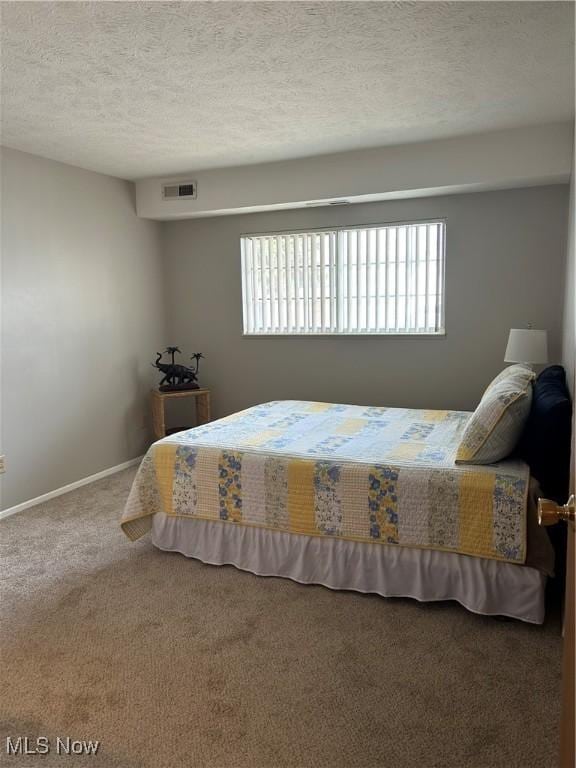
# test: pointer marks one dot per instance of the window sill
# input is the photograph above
(355, 335)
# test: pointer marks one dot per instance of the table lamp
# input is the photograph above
(527, 345)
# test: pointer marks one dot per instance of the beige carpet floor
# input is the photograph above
(170, 663)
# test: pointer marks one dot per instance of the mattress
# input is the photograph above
(383, 476)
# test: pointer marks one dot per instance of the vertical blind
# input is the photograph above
(378, 279)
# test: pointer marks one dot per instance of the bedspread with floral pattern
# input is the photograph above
(379, 475)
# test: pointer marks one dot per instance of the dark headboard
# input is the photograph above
(545, 443)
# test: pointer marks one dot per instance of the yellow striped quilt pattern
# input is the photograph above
(379, 475)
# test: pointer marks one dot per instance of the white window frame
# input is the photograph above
(339, 238)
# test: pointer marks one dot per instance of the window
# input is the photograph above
(385, 279)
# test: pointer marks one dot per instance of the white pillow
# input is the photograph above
(497, 423)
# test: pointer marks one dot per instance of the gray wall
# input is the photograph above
(82, 314)
(505, 267)
(83, 288)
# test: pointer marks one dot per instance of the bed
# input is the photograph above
(351, 497)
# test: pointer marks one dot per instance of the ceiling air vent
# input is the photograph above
(179, 190)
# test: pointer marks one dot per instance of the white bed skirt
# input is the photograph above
(482, 586)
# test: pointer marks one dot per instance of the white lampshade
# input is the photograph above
(526, 345)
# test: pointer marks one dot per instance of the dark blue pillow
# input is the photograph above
(545, 443)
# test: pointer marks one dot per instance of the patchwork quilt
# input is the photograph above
(379, 475)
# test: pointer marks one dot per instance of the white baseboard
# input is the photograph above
(70, 487)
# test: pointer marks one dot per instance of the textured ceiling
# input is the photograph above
(136, 89)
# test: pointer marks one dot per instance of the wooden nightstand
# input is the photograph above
(202, 397)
